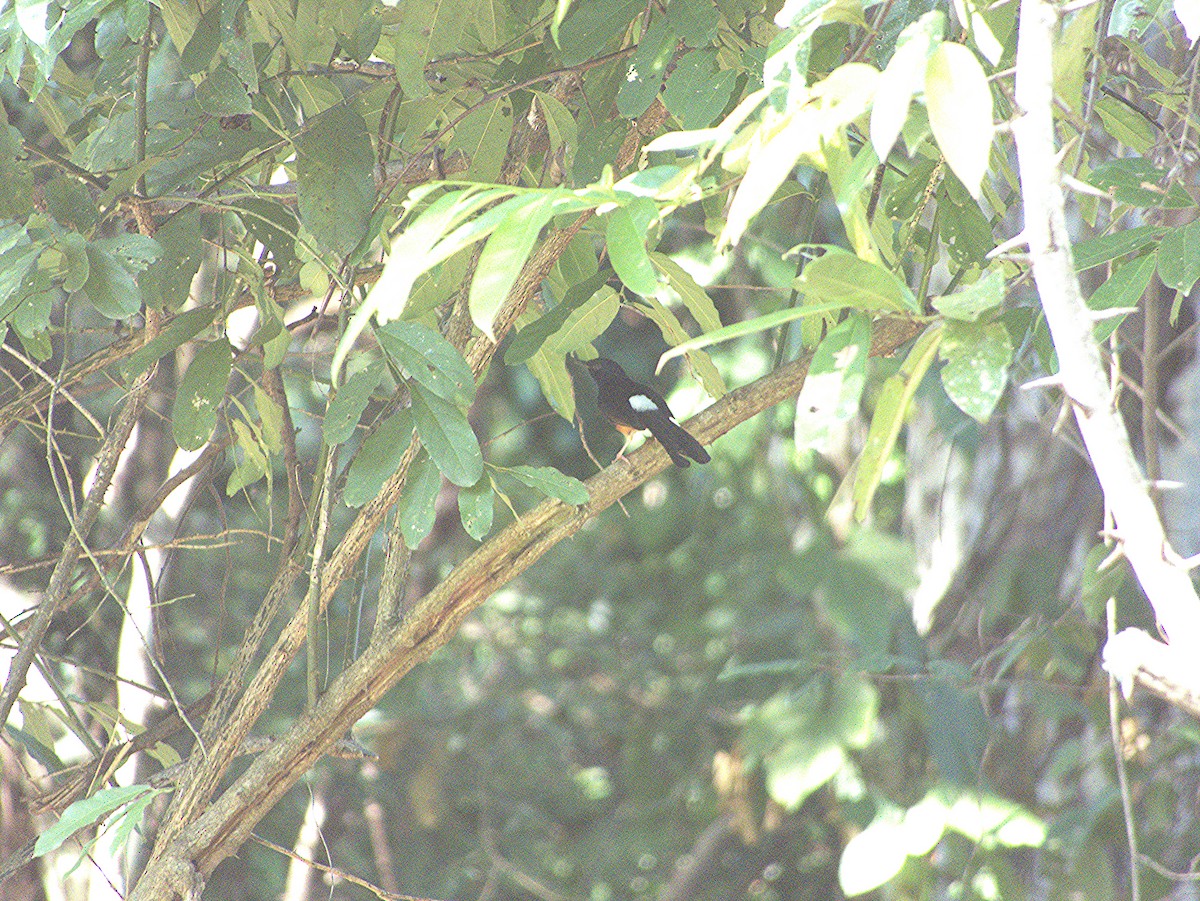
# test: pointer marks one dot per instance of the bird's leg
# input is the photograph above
(624, 447)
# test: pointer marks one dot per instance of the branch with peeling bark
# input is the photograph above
(1144, 543)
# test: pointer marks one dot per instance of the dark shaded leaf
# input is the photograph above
(201, 391)
(447, 436)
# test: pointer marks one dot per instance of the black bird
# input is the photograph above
(632, 407)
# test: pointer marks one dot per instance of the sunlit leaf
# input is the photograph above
(627, 252)
(503, 257)
(960, 111)
(902, 79)
(838, 275)
(834, 384)
(85, 812)
(977, 357)
(891, 409)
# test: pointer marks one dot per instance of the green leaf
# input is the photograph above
(891, 409)
(182, 328)
(957, 730)
(70, 204)
(856, 283)
(585, 323)
(695, 21)
(694, 297)
(1179, 257)
(504, 256)
(426, 356)
(270, 415)
(448, 437)
(201, 390)
(131, 818)
(875, 855)
(223, 94)
(166, 284)
(483, 136)
(902, 79)
(418, 502)
(1123, 291)
(552, 483)
(276, 227)
(378, 458)
(781, 142)
(535, 332)
(476, 505)
(751, 327)
(346, 407)
(697, 91)
(110, 286)
(674, 334)
(971, 302)
(834, 384)
(135, 252)
(561, 7)
(627, 253)
(803, 737)
(72, 263)
(441, 230)
(977, 358)
(1072, 57)
(31, 318)
(85, 812)
(962, 225)
(560, 126)
(1128, 126)
(335, 178)
(589, 27)
(959, 100)
(421, 31)
(254, 460)
(15, 264)
(16, 179)
(195, 56)
(1106, 248)
(1136, 181)
(555, 382)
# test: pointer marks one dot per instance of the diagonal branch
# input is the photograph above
(228, 821)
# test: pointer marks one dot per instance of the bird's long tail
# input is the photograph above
(678, 442)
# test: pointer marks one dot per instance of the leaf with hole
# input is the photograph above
(201, 390)
(552, 483)
(425, 356)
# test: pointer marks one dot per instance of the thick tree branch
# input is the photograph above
(226, 824)
(233, 713)
(1143, 540)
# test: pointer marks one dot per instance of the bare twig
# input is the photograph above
(64, 570)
